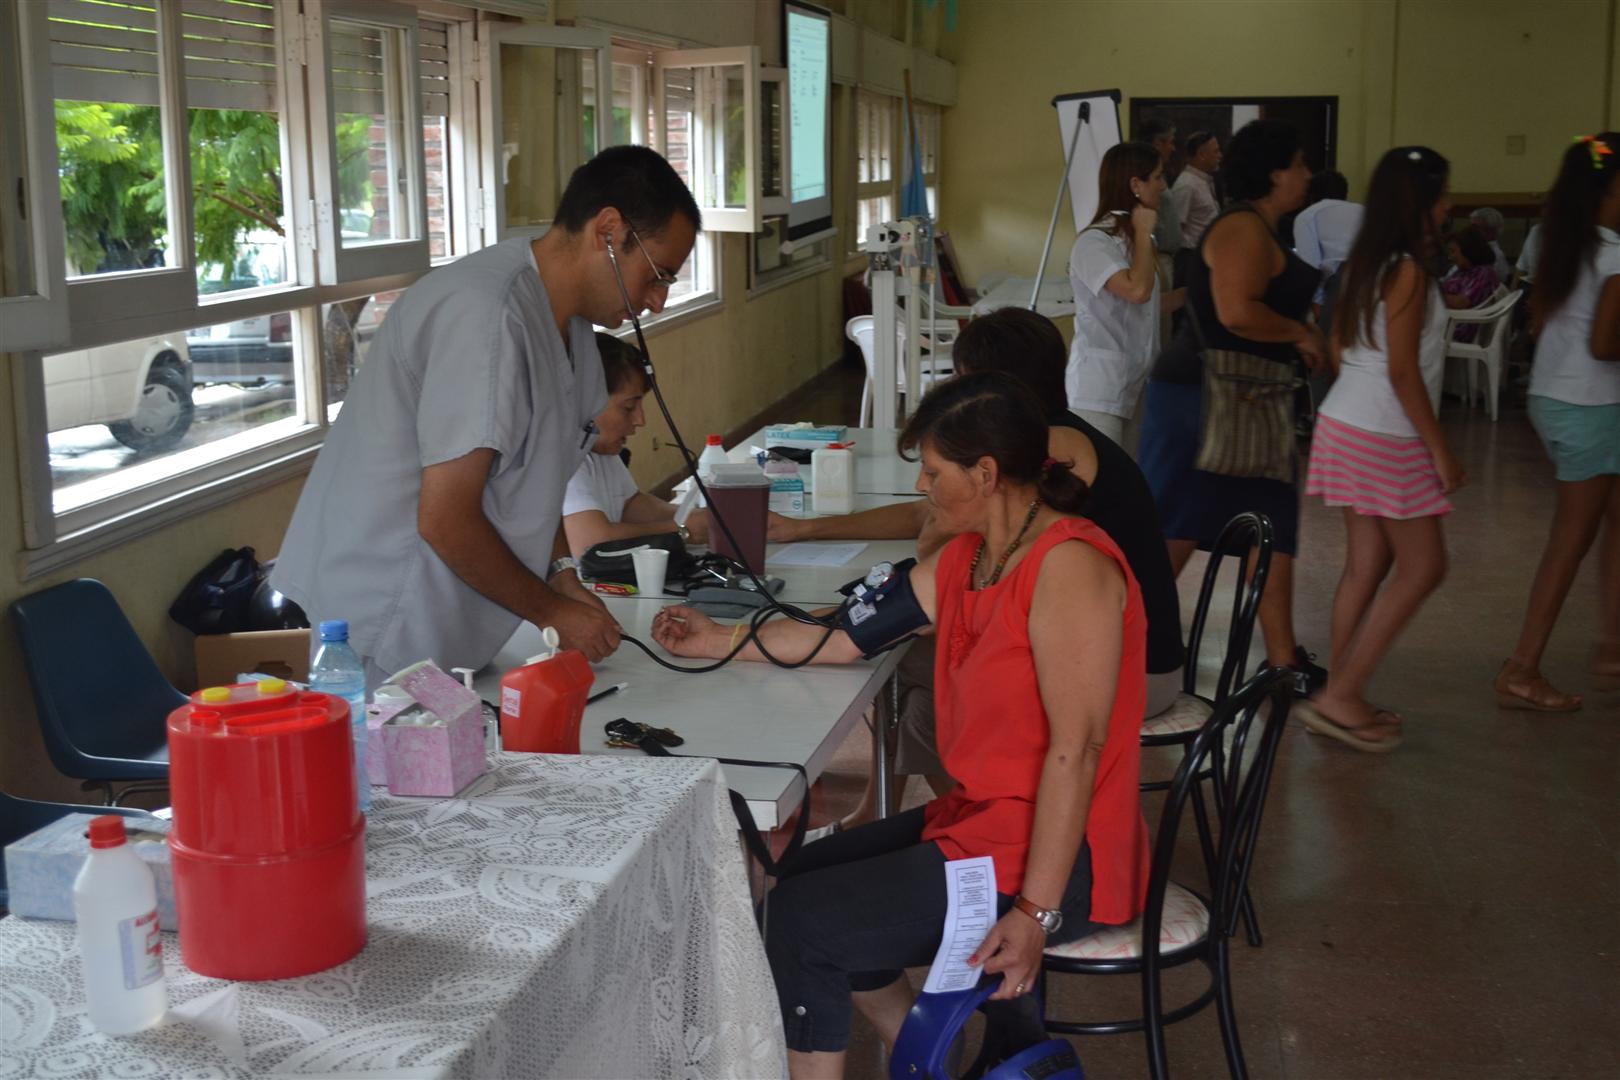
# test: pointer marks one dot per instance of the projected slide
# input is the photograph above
(807, 41)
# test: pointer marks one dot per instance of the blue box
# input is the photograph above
(41, 867)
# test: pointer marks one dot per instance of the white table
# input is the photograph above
(582, 916)
(1056, 300)
(743, 710)
(879, 469)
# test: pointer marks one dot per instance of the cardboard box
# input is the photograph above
(41, 867)
(282, 653)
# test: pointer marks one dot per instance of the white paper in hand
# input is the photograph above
(970, 912)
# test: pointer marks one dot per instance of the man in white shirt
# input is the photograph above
(1194, 191)
(1325, 231)
(431, 520)
(1528, 254)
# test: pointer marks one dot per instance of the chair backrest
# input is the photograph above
(97, 690)
(1499, 309)
(1223, 746)
(1245, 536)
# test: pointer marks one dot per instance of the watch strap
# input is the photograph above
(567, 562)
(1048, 920)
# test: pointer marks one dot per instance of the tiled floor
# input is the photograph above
(1449, 910)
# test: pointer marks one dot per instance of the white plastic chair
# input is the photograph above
(935, 366)
(1489, 347)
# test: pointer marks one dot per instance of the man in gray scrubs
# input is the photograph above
(432, 518)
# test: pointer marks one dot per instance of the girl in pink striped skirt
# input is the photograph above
(1377, 450)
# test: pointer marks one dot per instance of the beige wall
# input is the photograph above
(1458, 76)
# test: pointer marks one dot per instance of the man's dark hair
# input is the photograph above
(1195, 142)
(634, 180)
(1260, 148)
(1021, 343)
(622, 363)
(1153, 126)
(1327, 184)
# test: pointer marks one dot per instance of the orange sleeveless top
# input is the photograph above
(993, 735)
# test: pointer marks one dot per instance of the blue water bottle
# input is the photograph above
(337, 670)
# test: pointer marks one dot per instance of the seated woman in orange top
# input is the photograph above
(1039, 698)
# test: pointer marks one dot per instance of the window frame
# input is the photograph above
(889, 188)
(339, 264)
(37, 315)
(492, 193)
(716, 217)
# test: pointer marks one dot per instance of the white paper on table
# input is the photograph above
(816, 554)
(970, 912)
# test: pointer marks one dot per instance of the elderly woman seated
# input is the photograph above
(1039, 693)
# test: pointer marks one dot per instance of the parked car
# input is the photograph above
(253, 350)
(140, 389)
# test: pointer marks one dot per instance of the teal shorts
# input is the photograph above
(1582, 440)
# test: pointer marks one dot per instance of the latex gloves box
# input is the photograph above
(804, 435)
(436, 746)
(41, 867)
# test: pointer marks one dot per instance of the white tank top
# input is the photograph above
(1362, 395)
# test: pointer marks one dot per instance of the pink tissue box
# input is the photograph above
(432, 759)
(378, 714)
(438, 693)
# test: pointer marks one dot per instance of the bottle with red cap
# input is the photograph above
(713, 454)
(115, 902)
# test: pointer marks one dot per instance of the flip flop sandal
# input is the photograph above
(1536, 695)
(1317, 723)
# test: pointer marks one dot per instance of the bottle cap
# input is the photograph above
(335, 630)
(107, 831)
(216, 694)
(714, 440)
(271, 686)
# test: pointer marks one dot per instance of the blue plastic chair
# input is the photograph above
(19, 817)
(922, 1050)
(102, 701)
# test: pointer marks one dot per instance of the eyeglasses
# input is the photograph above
(662, 278)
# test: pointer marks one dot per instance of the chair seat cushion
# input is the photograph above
(1188, 713)
(1185, 924)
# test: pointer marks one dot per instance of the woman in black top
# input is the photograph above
(1249, 293)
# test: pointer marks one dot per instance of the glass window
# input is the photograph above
(373, 147)
(348, 328)
(541, 147)
(707, 129)
(875, 183)
(769, 263)
(127, 415)
(433, 66)
(771, 185)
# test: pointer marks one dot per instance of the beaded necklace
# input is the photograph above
(1001, 563)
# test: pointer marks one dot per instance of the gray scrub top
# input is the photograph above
(468, 358)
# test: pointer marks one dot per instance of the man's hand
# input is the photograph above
(581, 620)
(1013, 948)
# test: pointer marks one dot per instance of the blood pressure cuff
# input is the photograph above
(884, 613)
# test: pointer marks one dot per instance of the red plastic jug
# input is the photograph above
(542, 701)
(267, 846)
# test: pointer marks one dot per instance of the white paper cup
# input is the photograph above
(651, 565)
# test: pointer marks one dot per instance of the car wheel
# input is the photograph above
(163, 416)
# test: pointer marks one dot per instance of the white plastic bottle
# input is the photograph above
(832, 476)
(115, 901)
(713, 453)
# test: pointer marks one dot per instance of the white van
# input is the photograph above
(140, 389)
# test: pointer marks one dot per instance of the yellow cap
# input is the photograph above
(216, 694)
(271, 686)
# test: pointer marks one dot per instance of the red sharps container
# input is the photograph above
(542, 701)
(267, 844)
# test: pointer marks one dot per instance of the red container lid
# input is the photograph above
(247, 696)
(262, 777)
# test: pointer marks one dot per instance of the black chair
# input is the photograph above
(1246, 535)
(102, 701)
(1179, 925)
(19, 817)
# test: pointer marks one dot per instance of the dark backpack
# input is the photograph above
(217, 599)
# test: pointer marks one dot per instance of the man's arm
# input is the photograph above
(450, 517)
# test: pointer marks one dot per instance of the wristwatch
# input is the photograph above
(684, 533)
(1049, 920)
(567, 562)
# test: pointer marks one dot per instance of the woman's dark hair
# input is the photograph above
(1122, 163)
(989, 414)
(1018, 342)
(1260, 148)
(1405, 185)
(634, 180)
(1470, 240)
(1569, 235)
(622, 362)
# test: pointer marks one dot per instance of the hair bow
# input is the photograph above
(1597, 148)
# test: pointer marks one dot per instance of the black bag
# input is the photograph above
(217, 599)
(611, 560)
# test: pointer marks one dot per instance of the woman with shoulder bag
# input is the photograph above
(1218, 432)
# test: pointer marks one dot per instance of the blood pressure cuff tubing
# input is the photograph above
(881, 617)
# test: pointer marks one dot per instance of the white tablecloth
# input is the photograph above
(568, 916)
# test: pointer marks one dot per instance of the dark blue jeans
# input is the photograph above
(855, 909)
